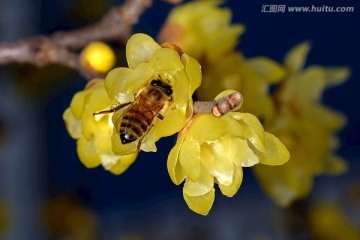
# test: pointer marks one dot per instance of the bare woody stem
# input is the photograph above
(220, 106)
(116, 25)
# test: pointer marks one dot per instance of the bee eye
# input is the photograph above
(168, 91)
(155, 83)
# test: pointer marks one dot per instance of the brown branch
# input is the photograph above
(116, 25)
(219, 107)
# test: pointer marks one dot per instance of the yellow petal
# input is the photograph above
(230, 190)
(269, 69)
(77, 104)
(166, 60)
(296, 57)
(73, 125)
(202, 186)
(172, 123)
(139, 49)
(337, 75)
(336, 165)
(87, 153)
(200, 204)
(181, 88)
(276, 152)
(193, 69)
(326, 117)
(199, 130)
(124, 80)
(173, 166)
(284, 183)
(245, 156)
(123, 163)
(253, 130)
(217, 162)
(115, 80)
(189, 157)
(311, 84)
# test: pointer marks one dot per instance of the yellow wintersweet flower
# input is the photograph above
(67, 219)
(252, 77)
(93, 134)
(328, 221)
(306, 127)
(202, 29)
(213, 150)
(148, 61)
(98, 57)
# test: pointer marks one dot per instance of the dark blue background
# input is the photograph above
(146, 184)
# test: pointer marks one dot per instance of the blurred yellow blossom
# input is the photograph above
(67, 219)
(203, 157)
(202, 29)
(328, 221)
(4, 217)
(252, 77)
(98, 57)
(147, 61)
(305, 126)
(94, 134)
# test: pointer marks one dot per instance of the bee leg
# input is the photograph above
(140, 140)
(161, 117)
(112, 109)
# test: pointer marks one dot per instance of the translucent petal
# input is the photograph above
(181, 87)
(219, 164)
(77, 104)
(200, 204)
(276, 152)
(199, 130)
(139, 49)
(114, 81)
(102, 136)
(253, 130)
(296, 57)
(172, 123)
(73, 125)
(174, 168)
(124, 80)
(193, 69)
(87, 153)
(123, 163)
(230, 190)
(166, 60)
(202, 186)
(269, 69)
(244, 156)
(189, 157)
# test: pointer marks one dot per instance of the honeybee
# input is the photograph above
(138, 118)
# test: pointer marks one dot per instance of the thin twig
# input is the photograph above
(220, 106)
(116, 25)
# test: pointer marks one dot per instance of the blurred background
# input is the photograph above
(46, 193)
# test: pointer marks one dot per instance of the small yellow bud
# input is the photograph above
(98, 57)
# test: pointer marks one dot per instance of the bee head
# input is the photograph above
(164, 87)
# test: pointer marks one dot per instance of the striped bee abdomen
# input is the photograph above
(135, 123)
